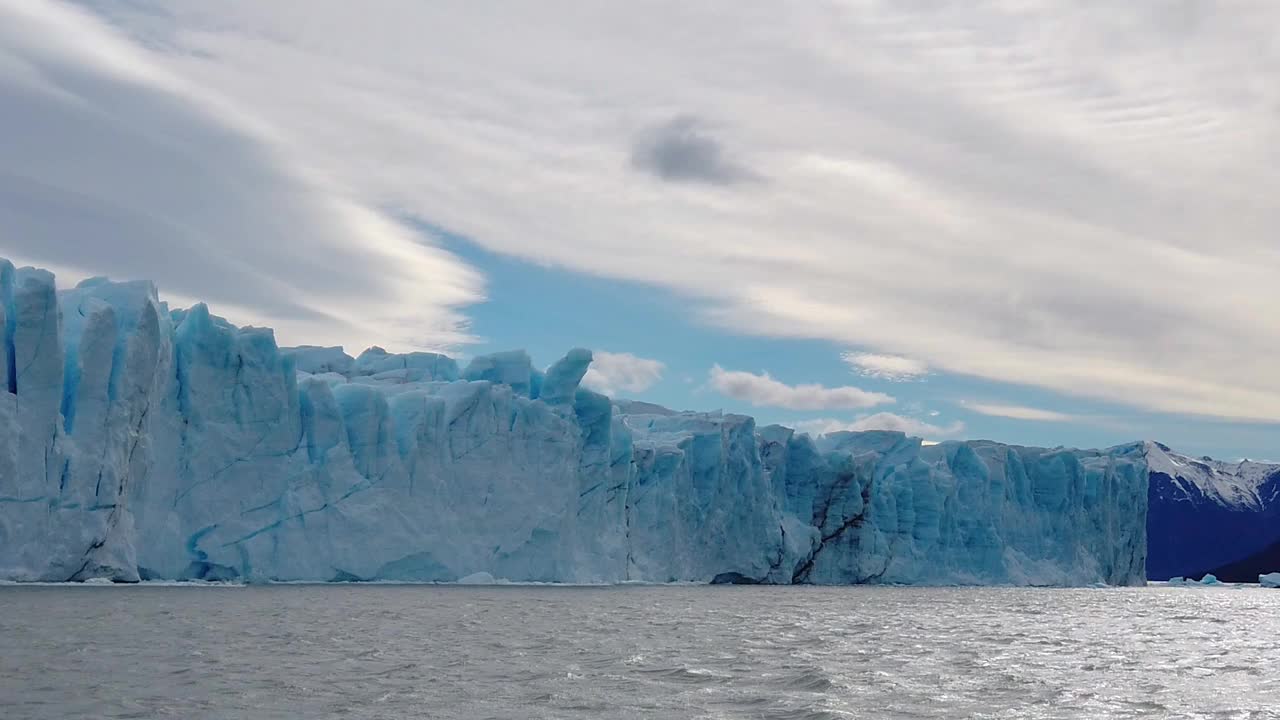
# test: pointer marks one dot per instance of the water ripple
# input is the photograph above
(638, 652)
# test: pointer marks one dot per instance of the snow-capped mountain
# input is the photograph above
(1243, 484)
(1210, 515)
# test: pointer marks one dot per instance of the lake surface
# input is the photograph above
(341, 651)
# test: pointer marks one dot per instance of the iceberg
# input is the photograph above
(1269, 580)
(139, 442)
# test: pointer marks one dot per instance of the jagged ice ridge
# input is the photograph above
(139, 442)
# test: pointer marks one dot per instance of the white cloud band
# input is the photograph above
(764, 391)
(1020, 412)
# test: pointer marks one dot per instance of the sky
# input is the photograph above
(1048, 222)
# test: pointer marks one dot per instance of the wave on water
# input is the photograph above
(690, 675)
(667, 654)
(812, 679)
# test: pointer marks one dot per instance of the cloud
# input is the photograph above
(763, 391)
(885, 367)
(881, 421)
(612, 372)
(1019, 412)
(1072, 196)
(683, 150)
(115, 165)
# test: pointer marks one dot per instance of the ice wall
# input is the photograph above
(139, 442)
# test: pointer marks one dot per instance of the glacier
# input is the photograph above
(139, 442)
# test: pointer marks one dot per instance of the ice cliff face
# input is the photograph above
(889, 510)
(139, 442)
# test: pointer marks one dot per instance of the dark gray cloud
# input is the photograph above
(683, 150)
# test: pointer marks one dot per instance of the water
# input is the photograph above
(632, 652)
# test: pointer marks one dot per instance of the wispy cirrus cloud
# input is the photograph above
(1020, 412)
(764, 391)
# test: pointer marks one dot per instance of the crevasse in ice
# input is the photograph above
(142, 442)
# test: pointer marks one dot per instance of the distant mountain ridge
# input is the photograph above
(1209, 515)
(1232, 484)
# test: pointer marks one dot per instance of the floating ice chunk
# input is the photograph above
(1269, 580)
(1210, 579)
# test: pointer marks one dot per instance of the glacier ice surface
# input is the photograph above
(139, 442)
